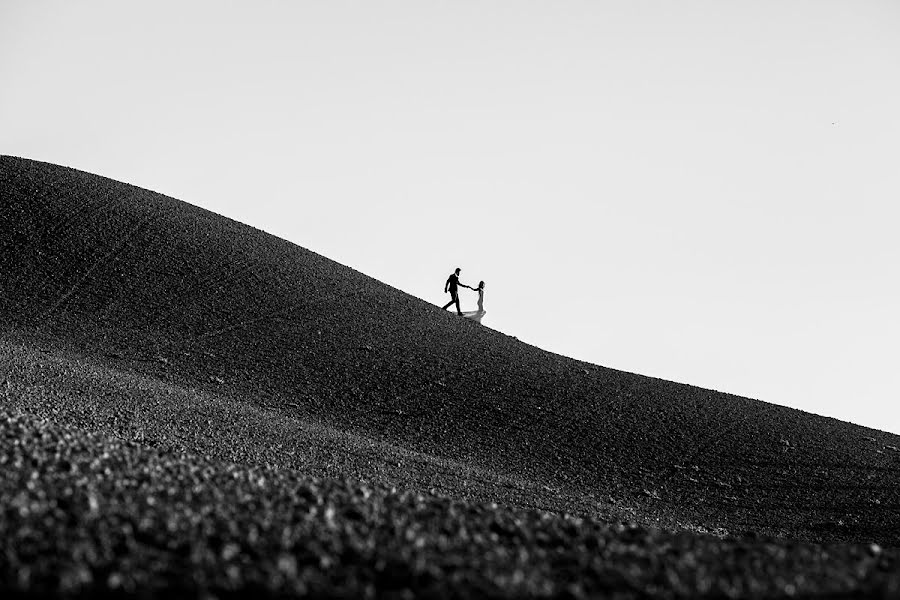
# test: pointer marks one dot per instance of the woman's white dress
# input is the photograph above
(476, 315)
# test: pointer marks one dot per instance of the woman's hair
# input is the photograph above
(480, 284)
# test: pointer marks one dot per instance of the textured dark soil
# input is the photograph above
(191, 405)
(88, 514)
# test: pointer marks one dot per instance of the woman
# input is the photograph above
(476, 315)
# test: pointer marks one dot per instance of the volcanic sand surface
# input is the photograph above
(135, 315)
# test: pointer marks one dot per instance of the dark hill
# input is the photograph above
(134, 314)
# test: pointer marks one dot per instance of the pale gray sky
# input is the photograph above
(702, 191)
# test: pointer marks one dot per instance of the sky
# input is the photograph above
(701, 191)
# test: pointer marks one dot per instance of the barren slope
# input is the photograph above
(113, 295)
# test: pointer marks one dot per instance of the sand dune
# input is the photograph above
(129, 314)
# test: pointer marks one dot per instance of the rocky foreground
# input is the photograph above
(87, 515)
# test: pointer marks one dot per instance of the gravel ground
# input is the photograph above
(88, 515)
(191, 356)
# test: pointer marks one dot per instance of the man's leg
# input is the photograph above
(458, 309)
(446, 306)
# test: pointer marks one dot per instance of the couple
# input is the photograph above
(453, 284)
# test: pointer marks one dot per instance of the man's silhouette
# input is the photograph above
(452, 286)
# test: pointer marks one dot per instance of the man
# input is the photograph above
(452, 286)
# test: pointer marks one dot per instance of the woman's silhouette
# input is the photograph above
(476, 315)
(480, 291)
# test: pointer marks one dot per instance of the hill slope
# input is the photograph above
(114, 294)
